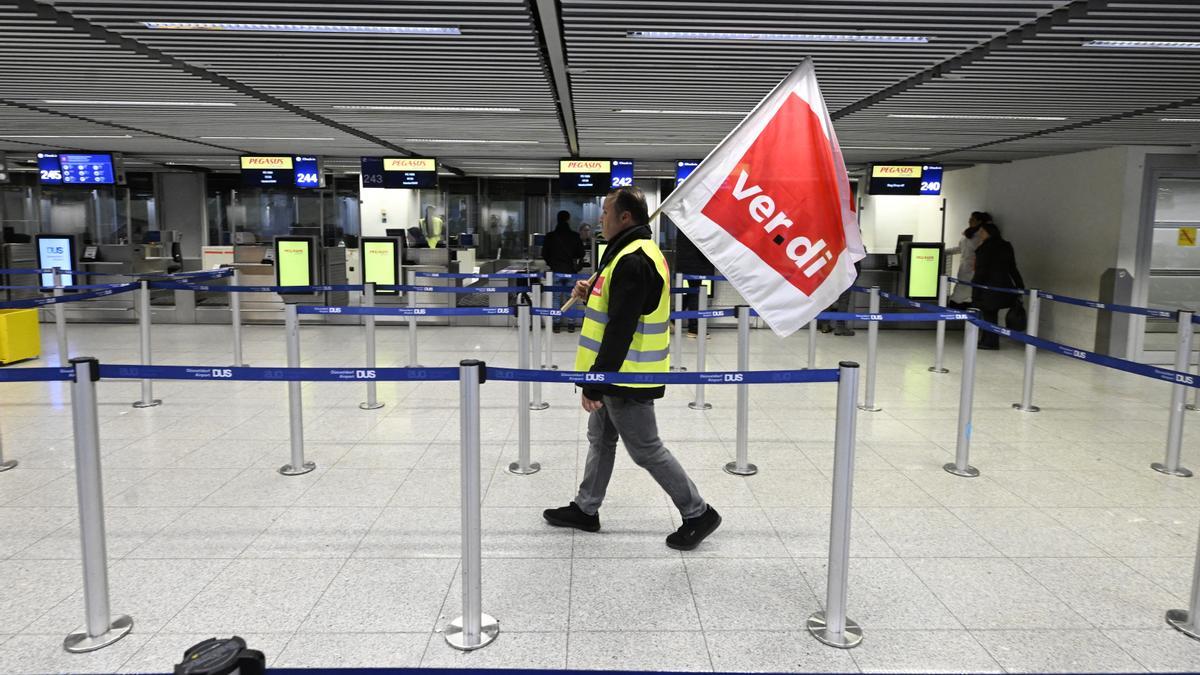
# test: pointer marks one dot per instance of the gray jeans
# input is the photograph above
(633, 421)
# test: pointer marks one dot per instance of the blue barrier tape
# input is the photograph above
(557, 289)
(685, 290)
(38, 375)
(998, 289)
(546, 311)
(219, 373)
(1153, 372)
(205, 274)
(468, 275)
(42, 302)
(901, 300)
(895, 318)
(731, 377)
(406, 311)
(860, 289)
(1110, 307)
(703, 277)
(704, 314)
(76, 287)
(454, 289)
(299, 290)
(560, 276)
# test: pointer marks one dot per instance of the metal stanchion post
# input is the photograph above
(1195, 404)
(5, 465)
(812, 344)
(548, 325)
(677, 333)
(536, 321)
(295, 400)
(872, 355)
(1026, 404)
(235, 318)
(60, 321)
(412, 323)
(1187, 621)
(368, 300)
(523, 467)
(1183, 360)
(473, 629)
(742, 466)
(961, 466)
(701, 353)
(101, 628)
(939, 351)
(147, 400)
(832, 627)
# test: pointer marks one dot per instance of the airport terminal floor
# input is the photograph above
(1062, 556)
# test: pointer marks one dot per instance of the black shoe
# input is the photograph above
(570, 328)
(558, 329)
(572, 516)
(990, 348)
(694, 530)
(826, 329)
(844, 332)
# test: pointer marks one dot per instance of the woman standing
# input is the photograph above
(995, 265)
(966, 261)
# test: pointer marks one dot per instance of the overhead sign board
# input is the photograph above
(399, 172)
(55, 168)
(299, 171)
(905, 179)
(588, 175)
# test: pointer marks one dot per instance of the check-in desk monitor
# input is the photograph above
(920, 269)
(56, 250)
(295, 261)
(380, 260)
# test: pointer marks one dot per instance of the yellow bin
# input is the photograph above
(20, 338)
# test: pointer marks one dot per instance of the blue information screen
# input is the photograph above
(622, 173)
(372, 172)
(308, 171)
(683, 169)
(87, 169)
(49, 168)
(931, 179)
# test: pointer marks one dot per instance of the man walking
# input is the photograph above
(625, 329)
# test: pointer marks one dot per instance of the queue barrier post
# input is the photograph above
(868, 403)
(412, 323)
(701, 354)
(1183, 359)
(961, 466)
(368, 300)
(742, 466)
(473, 629)
(535, 295)
(60, 320)
(548, 321)
(235, 318)
(812, 345)
(101, 627)
(147, 400)
(5, 465)
(832, 627)
(1031, 329)
(939, 352)
(1187, 621)
(1195, 404)
(298, 466)
(677, 329)
(523, 467)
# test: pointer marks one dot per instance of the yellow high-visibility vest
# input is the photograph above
(650, 350)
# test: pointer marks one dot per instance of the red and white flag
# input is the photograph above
(771, 207)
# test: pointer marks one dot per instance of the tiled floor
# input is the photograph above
(1062, 556)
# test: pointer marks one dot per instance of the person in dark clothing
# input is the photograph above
(995, 265)
(562, 251)
(689, 260)
(625, 330)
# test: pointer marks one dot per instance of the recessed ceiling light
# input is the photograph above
(1180, 119)
(701, 145)
(263, 138)
(301, 28)
(426, 108)
(466, 140)
(1142, 44)
(879, 147)
(1039, 118)
(652, 111)
(776, 37)
(64, 101)
(75, 136)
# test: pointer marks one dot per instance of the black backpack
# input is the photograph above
(220, 656)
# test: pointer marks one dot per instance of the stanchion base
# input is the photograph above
(489, 629)
(969, 472)
(151, 404)
(516, 470)
(5, 466)
(370, 406)
(78, 643)
(539, 406)
(1190, 406)
(289, 470)
(849, 638)
(702, 406)
(940, 371)
(1177, 471)
(678, 369)
(748, 470)
(1178, 618)
(873, 408)
(1023, 408)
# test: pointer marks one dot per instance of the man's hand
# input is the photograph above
(590, 405)
(581, 290)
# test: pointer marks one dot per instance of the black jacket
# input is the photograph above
(995, 265)
(563, 249)
(634, 290)
(688, 258)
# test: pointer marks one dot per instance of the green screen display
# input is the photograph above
(924, 266)
(293, 262)
(379, 264)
